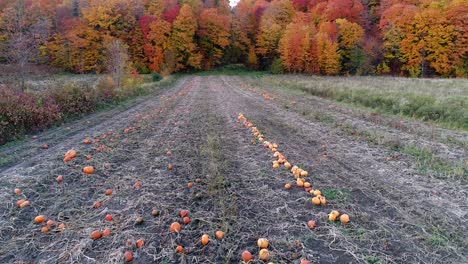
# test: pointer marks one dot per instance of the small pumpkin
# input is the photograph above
(97, 204)
(246, 256)
(44, 229)
(128, 257)
(186, 220)
(311, 224)
(108, 217)
(139, 220)
(219, 234)
(50, 223)
(88, 170)
(179, 249)
(140, 243)
(287, 165)
(19, 202)
(106, 232)
(183, 213)
(18, 191)
(96, 234)
(315, 200)
(264, 254)
(155, 212)
(39, 219)
(262, 243)
(109, 192)
(205, 239)
(287, 186)
(25, 204)
(59, 178)
(304, 173)
(175, 227)
(304, 261)
(344, 218)
(190, 184)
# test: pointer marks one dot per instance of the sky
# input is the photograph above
(233, 3)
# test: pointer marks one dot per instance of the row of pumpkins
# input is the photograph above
(300, 178)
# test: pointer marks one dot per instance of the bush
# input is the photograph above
(156, 77)
(277, 67)
(21, 112)
(75, 100)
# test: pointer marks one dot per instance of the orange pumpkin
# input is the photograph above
(246, 256)
(140, 243)
(205, 239)
(59, 178)
(50, 223)
(44, 229)
(264, 254)
(315, 201)
(19, 202)
(18, 191)
(175, 227)
(96, 235)
(287, 186)
(128, 257)
(97, 204)
(24, 204)
(311, 224)
(39, 219)
(106, 232)
(155, 212)
(344, 218)
(88, 170)
(109, 192)
(219, 234)
(186, 220)
(179, 249)
(262, 243)
(139, 220)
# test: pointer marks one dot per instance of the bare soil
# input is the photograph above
(399, 213)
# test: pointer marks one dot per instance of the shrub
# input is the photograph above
(74, 99)
(105, 90)
(277, 67)
(156, 77)
(22, 112)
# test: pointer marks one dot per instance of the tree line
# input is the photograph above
(415, 38)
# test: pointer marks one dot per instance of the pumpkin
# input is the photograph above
(323, 201)
(190, 184)
(344, 218)
(96, 235)
(59, 178)
(311, 224)
(175, 227)
(262, 243)
(264, 254)
(109, 192)
(88, 157)
(219, 234)
(87, 140)
(275, 145)
(18, 191)
(179, 249)
(331, 217)
(304, 261)
(246, 256)
(307, 184)
(317, 193)
(71, 153)
(138, 220)
(287, 165)
(276, 154)
(24, 204)
(19, 202)
(287, 186)
(108, 217)
(300, 182)
(183, 213)
(45, 146)
(97, 204)
(205, 239)
(50, 223)
(106, 232)
(128, 257)
(140, 243)
(88, 170)
(155, 212)
(335, 213)
(186, 220)
(61, 226)
(137, 185)
(39, 219)
(44, 229)
(304, 173)
(315, 200)
(275, 165)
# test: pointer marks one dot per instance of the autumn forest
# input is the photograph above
(414, 38)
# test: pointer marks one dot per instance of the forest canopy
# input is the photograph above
(335, 37)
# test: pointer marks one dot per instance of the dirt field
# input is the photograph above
(404, 207)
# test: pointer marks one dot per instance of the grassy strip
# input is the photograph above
(450, 111)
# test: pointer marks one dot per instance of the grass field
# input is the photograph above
(401, 175)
